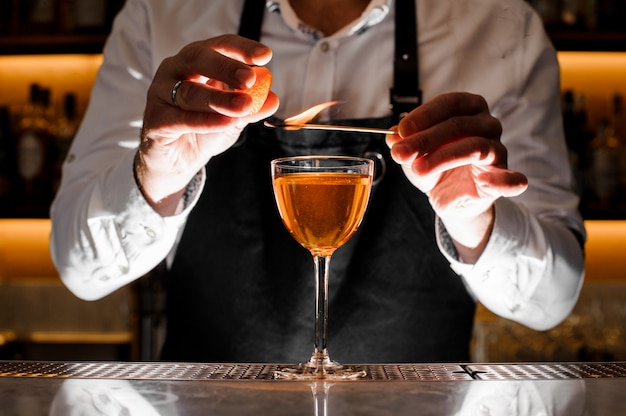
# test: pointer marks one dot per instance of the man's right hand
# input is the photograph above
(206, 118)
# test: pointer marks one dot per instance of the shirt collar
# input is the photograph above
(372, 15)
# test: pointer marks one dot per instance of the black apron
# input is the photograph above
(241, 289)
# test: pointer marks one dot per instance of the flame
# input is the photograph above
(309, 114)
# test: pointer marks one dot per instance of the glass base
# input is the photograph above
(320, 367)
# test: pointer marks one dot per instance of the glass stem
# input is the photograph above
(322, 266)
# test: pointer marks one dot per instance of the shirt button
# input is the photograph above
(150, 232)
(324, 46)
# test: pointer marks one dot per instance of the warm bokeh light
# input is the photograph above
(606, 258)
(24, 250)
(61, 73)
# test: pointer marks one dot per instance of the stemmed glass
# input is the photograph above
(321, 200)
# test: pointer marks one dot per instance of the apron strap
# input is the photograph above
(405, 94)
(252, 19)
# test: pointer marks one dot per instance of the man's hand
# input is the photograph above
(450, 149)
(187, 123)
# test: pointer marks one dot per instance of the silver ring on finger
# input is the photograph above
(175, 92)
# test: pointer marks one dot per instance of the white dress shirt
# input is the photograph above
(105, 235)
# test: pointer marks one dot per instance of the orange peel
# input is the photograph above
(260, 89)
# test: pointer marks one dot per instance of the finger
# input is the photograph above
(192, 96)
(245, 50)
(200, 97)
(439, 109)
(394, 138)
(226, 58)
(502, 182)
(469, 151)
(169, 125)
(444, 133)
(198, 93)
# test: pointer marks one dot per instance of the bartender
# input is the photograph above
(472, 200)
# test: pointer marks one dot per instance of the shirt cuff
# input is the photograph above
(132, 236)
(507, 239)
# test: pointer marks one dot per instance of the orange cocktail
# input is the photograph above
(322, 210)
(322, 200)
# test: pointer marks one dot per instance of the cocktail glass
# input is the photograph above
(321, 200)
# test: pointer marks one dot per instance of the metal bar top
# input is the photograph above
(172, 389)
(375, 372)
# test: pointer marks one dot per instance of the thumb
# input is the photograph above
(503, 182)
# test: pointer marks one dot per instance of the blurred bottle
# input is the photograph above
(570, 128)
(6, 162)
(66, 16)
(590, 13)
(619, 119)
(47, 111)
(578, 137)
(550, 12)
(90, 16)
(605, 166)
(6, 14)
(33, 156)
(578, 14)
(611, 15)
(569, 14)
(618, 125)
(42, 16)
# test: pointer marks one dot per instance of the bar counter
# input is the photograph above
(168, 389)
